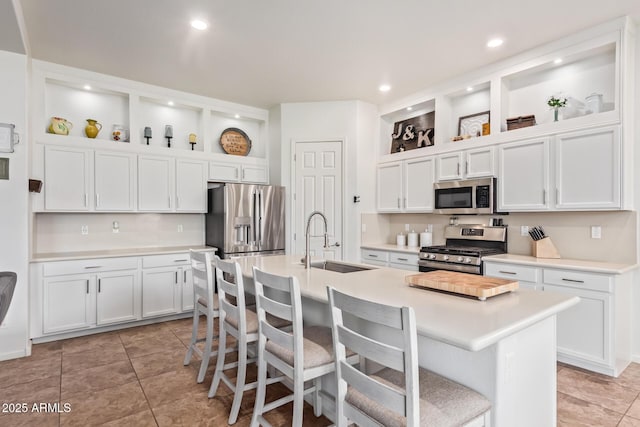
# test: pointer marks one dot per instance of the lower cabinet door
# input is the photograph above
(584, 330)
(187, 289)
(160, 291)
(118, 297)
(68, 303)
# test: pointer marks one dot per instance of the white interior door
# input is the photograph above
(318, 187)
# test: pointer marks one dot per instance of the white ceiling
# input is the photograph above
(263, 53)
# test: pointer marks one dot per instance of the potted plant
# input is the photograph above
(556, 104)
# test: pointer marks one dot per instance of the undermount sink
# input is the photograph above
(339, 267)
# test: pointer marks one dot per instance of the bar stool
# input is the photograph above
(304, 354)
(205, 302)
(240, 323)
(401, 393)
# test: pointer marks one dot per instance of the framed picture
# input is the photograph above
(416, 132)
(472, 125)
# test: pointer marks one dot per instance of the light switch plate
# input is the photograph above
(596, 232)
(4, 168)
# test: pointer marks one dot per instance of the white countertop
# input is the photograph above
(67, 256)
(463, 322)
(571, 264)
(392, 248)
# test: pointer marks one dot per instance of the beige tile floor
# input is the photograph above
(135, 377)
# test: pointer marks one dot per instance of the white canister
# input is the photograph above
(426, 238)
(412, 239)
(594, 103)
(401, 240)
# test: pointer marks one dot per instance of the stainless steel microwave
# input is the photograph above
(473, 196)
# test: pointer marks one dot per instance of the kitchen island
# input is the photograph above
(504, 347)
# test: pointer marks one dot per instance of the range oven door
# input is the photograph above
(424, 266)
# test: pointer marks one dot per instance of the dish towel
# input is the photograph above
(8, 281)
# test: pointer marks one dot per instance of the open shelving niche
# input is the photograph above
(591, 62)
(59, 91)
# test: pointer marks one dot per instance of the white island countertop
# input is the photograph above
(463, 322)
(571, 264)
(392, 248)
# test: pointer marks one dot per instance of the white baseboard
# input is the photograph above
(635, 358)
(14, 354)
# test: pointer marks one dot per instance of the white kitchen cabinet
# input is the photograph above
(68, 303)
(115, 175)
(402, 260)
(476, 163)
(118, 297)
(187, 289)
(66, 178)
(593, 334)
(238, 172)
(191, 186)
(161, 292)
(523, 178)
(588, 169)
(390, 192)
(406, 186)
(156, 183)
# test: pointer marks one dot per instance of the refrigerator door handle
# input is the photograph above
(254, 212)
(260, 208)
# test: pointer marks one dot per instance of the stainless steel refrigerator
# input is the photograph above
(245, 219)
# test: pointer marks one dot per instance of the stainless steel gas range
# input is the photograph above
(465, 246)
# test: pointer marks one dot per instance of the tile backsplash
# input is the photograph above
(62, 232)
(570, 231)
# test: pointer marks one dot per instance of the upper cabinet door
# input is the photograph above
(66, 178)
(191, 186)
(114, 181)
(588, 169)
(449, 166)
(390, 195)
(254, 173)
(227, 172)
(155, 183)
(479, 163)
(418, 183)
(523, 181)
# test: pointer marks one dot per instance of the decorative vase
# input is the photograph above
(60, 126)
(120, 133)
(555, 114)
(92, 128)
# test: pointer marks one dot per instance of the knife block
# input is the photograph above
(544, 248)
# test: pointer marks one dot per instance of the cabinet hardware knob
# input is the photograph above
(176, 277)
(403, 259)
(572, 280)
(92, 266)
(506, 272)
(373, 256)
(99, 285)
(87, 286)
(180, 260)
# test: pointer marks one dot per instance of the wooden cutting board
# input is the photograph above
(472, 285)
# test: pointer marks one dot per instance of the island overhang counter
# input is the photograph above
(504, 347)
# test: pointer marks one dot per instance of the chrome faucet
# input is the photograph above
(307, 258)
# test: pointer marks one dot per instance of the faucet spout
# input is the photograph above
(307, 258)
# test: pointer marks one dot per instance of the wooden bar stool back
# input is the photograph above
(302, 354)
(240, 323)
(400, 393)
(205, 301)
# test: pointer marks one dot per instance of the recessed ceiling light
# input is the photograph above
(384, 88)
(409, 108)
(199, 25)
(557, 61)
(237, 116)
(170, 103)
(87, 87)
(469, 89)
(495, 42)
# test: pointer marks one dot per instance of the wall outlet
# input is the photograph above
(116, 227)
(406, 227)
(84, 230)
(180, 228)
(596, 232)
(524, 230)
(364, 228)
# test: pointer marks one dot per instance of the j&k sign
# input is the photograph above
(413, 133)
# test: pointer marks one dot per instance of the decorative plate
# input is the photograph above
(235, 141)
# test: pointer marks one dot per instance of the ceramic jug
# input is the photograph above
(92, 128)
(60, 126)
